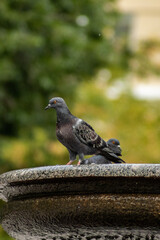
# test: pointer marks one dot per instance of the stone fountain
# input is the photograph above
(112, 202)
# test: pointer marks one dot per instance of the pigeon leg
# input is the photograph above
(72, 157)
(81, 158)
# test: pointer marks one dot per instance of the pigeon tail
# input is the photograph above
(111, 156)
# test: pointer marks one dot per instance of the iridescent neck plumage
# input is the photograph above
(63, 114)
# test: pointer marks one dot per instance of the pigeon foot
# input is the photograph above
(69, 163)
(79, 163)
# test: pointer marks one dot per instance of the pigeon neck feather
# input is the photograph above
(63, 114)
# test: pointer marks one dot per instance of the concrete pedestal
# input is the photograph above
(112, 202)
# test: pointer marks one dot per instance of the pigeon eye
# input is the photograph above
(113, 142)
(54, 101)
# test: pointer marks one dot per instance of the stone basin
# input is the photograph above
(112, 201)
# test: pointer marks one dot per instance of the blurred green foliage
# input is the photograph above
(46, 49)
(57, 48)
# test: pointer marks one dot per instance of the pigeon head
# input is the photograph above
(59, 105)
(114, 144)
(56, 102)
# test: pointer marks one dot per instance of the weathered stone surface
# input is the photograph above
(66, 171)
(56, 180)
(114, 201)
(102, 216)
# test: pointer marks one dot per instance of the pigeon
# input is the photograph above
(113, 144)
(77, 135)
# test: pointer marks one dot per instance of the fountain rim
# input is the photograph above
(73, 171)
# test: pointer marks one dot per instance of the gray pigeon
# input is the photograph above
(113, 144)
(77, 135)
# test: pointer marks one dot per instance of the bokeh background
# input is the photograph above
(102, 57)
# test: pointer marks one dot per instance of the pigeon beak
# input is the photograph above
(49, 106)
(119, 146)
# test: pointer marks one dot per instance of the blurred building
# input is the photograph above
(143, 18)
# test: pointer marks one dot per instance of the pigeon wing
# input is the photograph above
(86, 134)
